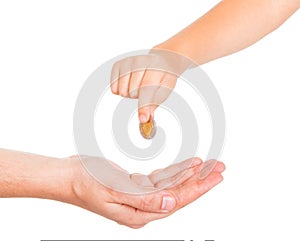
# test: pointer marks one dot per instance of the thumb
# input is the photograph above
(159, 202)
(146, 113)
(146, 104)
(146, 98)
(150, 97)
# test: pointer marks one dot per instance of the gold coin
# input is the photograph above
(148, 129)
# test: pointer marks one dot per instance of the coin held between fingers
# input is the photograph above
(148, 129)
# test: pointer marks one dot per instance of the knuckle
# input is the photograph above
(178, 197)
(114, 72)
(147, 80)
(125, 66)
(116, 65)
(147, 202)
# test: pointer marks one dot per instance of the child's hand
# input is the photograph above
(149, 78)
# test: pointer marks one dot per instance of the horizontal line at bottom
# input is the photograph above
(119, 240)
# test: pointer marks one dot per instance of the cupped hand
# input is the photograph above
(176, 186)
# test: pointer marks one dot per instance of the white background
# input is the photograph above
(49, 48)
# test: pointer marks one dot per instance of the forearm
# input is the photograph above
(30, 175)
(230, 26)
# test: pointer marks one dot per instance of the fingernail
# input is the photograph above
(143, 118)
(196, 161)
(168, 203)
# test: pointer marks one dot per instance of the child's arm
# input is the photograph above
(230, 26)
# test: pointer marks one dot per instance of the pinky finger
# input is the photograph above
(114, 79)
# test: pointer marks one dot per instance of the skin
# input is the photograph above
(66, 180)
(230, 26)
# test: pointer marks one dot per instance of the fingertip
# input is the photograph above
(214, 178)
(218, 177)
(114, 87)
(133, 93)
(143, 116)
(196, 161)
(122, 89)
(207, 168)
(221, 178)
(220, 167)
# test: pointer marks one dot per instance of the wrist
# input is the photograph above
(178, 61)
(58, 182)
(77, 182)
